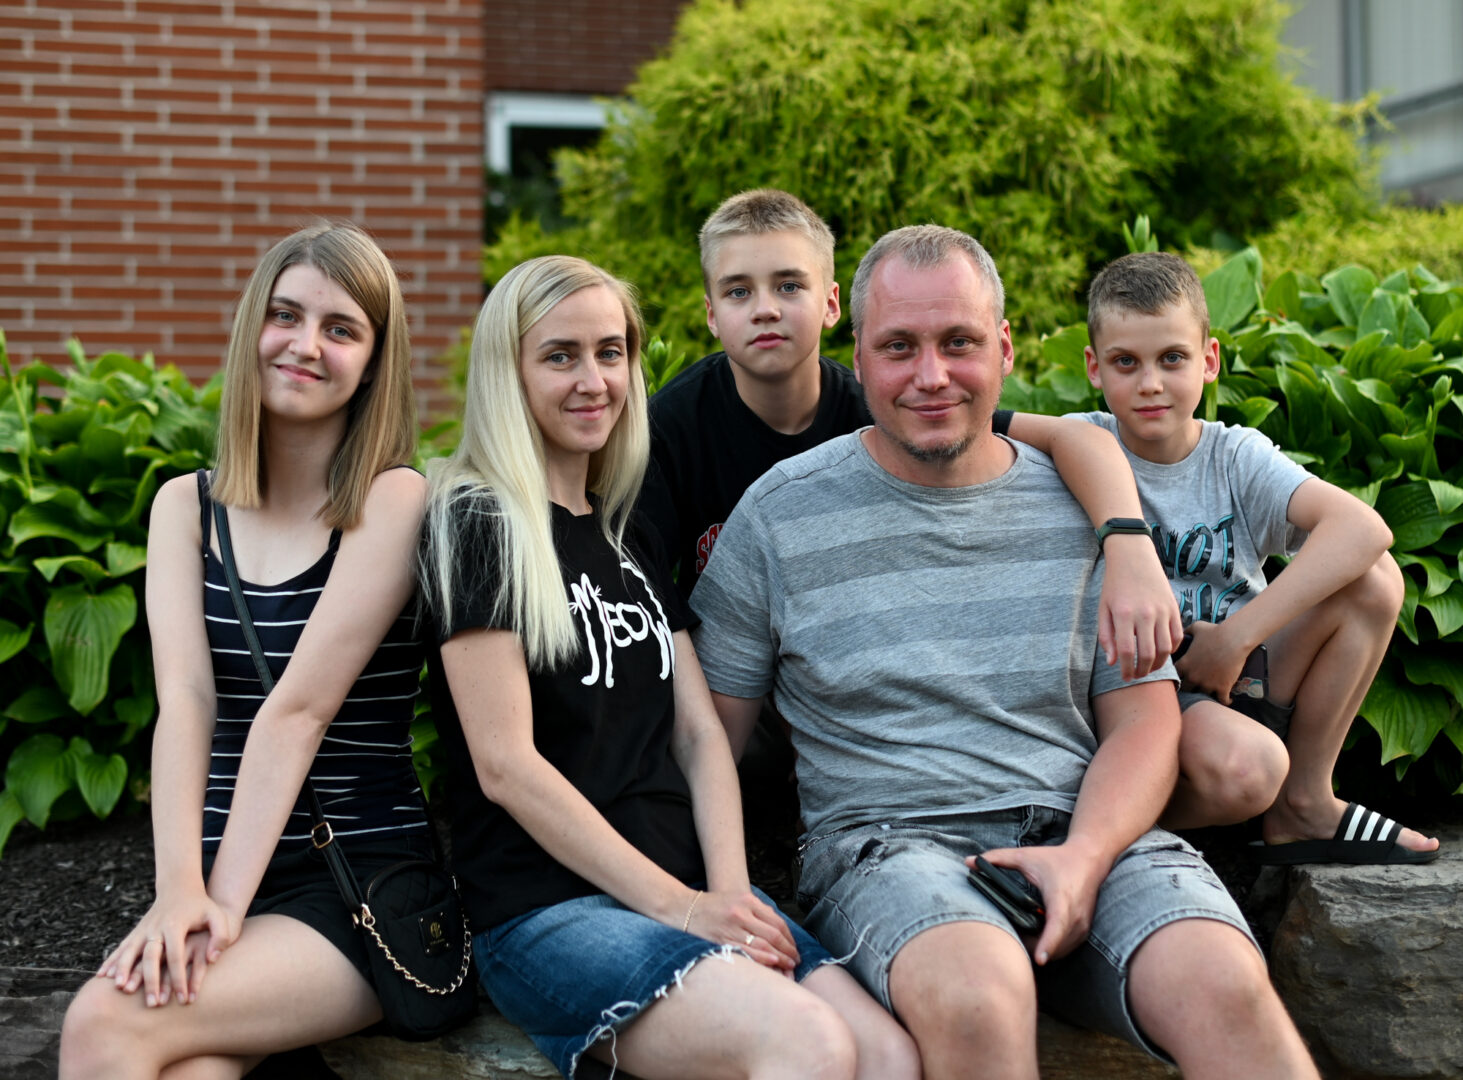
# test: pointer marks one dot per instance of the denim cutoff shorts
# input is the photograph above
(1261, 710)
(574, 973)
(869, 889)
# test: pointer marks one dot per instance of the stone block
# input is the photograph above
(1370, 962)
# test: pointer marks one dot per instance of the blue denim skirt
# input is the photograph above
(574, 973)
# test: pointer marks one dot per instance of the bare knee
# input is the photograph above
(813, 1041)
(1239, 778)
(889, 1052)
(981, 1013)
(95, 1033)
(1375, 598)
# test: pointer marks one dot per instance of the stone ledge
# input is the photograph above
(1368, 959)
(490, 1048)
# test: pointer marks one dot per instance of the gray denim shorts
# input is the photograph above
(870, 889)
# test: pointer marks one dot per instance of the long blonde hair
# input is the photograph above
(381, 423)
(499, 466)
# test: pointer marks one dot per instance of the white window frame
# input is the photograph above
(507, 110)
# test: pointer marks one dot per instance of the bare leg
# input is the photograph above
(1325, 661)
(281, 985)
(213, 1067)
(885, 1050)
(734, 1019)
(1199, 989)
(967, 994)
(1230, 769)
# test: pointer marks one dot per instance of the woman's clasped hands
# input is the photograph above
(169, 950)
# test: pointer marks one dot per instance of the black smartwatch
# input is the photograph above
(1133, 526)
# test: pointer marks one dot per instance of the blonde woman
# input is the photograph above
(317, 415)
(596, 824)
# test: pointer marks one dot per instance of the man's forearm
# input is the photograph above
(1132, 775)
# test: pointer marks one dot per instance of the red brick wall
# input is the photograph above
(151, 150)
(573, 46)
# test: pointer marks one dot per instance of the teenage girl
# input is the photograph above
(596, 821)
(248, 948)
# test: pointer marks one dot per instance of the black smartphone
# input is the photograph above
(1012, 892)
(1254, 677)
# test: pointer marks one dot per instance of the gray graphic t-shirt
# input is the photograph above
(1216, 515)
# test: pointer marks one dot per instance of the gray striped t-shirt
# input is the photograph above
(934, 649)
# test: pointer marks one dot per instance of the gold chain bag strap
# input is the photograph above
(421, 979)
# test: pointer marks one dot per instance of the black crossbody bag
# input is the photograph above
(410, 915)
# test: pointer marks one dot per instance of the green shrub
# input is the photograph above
(1360, 379)
(81, 456)
(1387, 236)
(1033, 125)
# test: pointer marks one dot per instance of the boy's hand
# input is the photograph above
(1213, 662)
(1138, 621)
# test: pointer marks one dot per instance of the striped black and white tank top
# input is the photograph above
(362, 772)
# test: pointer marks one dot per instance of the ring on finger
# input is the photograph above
(749, 939)
(154, 939)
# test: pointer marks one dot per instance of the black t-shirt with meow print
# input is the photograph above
(603, 719)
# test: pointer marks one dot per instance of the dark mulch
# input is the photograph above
(70, 893)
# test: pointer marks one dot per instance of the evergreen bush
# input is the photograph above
(1033, 124)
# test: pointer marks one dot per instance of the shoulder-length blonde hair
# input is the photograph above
(381, 422)
(499, 465)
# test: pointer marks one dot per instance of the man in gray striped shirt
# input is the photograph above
(921, 599)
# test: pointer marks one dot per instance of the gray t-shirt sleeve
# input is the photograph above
(736, 599)
(1264, 480)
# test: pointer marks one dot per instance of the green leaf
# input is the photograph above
(1450, 329)
(1412, 514)
(90, 570)
(1380, 314)
(63, 514)
(1448, 496)
(11, 815)
(1447, 609)
(1439, 578)
(1407, 718)
(39, 772)
(122, 558)
(1282, 298)
(1233, 290)
(38, 705)
(1429, 667)
(13, 638)
(1349, 288)
(135, 713)
(100, 779)
(83, 631)
(1414, 329)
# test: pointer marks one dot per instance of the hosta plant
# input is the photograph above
(1359, 377)
(81, 455)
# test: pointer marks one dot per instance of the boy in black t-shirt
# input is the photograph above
(767, 263)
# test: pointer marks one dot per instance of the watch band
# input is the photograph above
(1133, 526)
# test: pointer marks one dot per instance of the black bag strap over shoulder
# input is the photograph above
(419, 937)
(320, 833)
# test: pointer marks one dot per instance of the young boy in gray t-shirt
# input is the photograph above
(1218, 501)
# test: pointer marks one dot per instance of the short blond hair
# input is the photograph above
(765, 210)
(1145, 282)
(381, 419)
